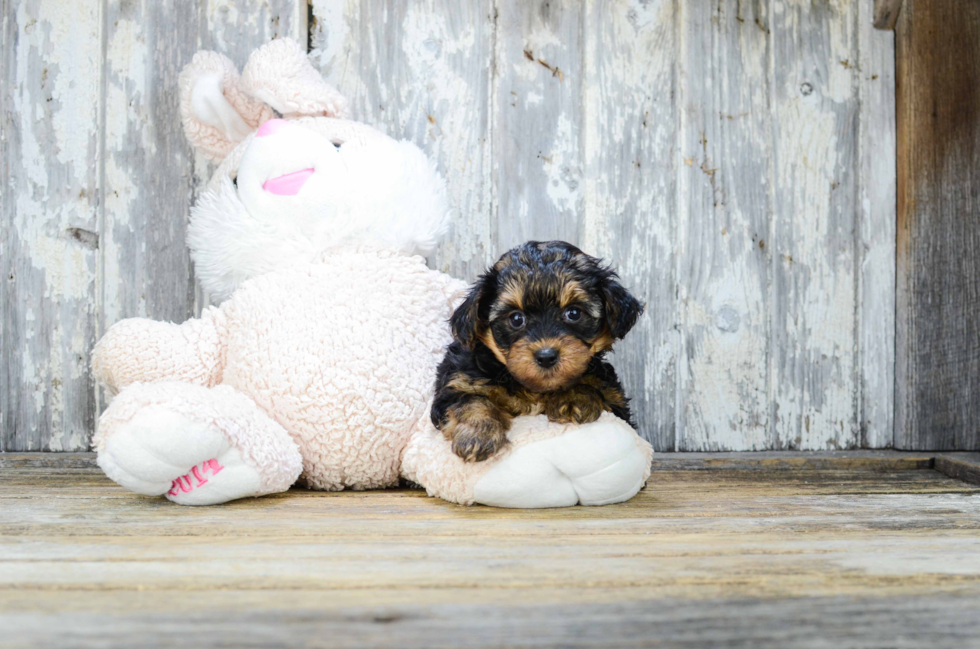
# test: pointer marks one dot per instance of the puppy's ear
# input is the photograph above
(465, 321)
(622, 309)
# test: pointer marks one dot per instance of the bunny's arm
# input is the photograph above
(143, 350)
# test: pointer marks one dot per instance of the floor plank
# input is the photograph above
(873, 554)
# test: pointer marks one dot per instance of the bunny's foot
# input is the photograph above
(194, 445)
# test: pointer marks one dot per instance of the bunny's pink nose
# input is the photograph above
(270, 127)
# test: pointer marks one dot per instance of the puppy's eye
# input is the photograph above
(234, 181)
(337, 144)
(573, 314)
(516, 319)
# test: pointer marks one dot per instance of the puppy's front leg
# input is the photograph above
(476, 427)
(581, 404)
(585, 402)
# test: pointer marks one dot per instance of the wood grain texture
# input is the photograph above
(875, 207)
(630, 208)
(938, 276)
(51, 191)
(421, 72)
(67, 460)
(7, 76)
(721, 557)
(962, 466)
(538, 153)
(885, 13)
(725, 179)
(237, 27)
(815, 107)
(146, 268)
(877, 460)
(897, 622)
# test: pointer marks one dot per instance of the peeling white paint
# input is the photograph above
(877, 186)
(331, 41)
(54, 108)
(561, 167)
(814, 362)
(682, 148)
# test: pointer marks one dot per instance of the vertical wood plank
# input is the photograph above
(421, 71)
(630, 198)
(815, 110)
(725, 192)
(146, 268)
(537, 140)
(876, 249)
(51, 105)
(937, 334)
(8, 34)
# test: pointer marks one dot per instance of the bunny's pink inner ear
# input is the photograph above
(215, 112)
(280, 74)
(211, 107)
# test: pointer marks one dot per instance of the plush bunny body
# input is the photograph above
(319, 364)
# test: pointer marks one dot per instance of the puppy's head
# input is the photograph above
(544, 309)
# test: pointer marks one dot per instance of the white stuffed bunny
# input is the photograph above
(319, 364)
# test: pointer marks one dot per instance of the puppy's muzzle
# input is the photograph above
(546, 357)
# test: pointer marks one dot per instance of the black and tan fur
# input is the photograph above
(542, 303)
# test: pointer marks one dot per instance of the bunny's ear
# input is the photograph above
(280, 74)
(216, 114)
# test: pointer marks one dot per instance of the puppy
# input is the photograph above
(531, 337)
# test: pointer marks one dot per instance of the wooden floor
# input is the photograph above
(753, 551)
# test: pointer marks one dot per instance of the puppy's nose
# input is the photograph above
(546, 357)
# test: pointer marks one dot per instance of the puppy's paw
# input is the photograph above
(476, 441)
(579, 405)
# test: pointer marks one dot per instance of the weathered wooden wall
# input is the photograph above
(938, 339)
(735, 160)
